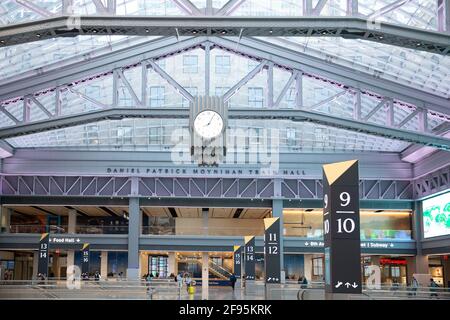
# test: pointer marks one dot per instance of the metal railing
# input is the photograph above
(35, 228)
(168, 289)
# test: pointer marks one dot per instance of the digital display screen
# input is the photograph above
(436, 216)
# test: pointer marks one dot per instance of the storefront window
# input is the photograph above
(318, 267)
(158, 266)
(375, 224)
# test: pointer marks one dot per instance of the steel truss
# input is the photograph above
(391, 96)
(345, 27)
(191, 187)
(432, 183)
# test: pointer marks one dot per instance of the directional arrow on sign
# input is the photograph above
(338, 284)
(347, 285)
(306, 244)
(354, 285)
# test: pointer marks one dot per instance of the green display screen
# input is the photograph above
(436, 216)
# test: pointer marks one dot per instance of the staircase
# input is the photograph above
(214, 268)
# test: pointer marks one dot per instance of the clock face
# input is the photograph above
(208, 124)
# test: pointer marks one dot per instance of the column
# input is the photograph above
(5, 221)
(410, 268)
(143, 263)
(35, 264)
(307, 269)
(104, 265)
(446, 271)
(172, 263)
(422, 264)
(70, 258)
(277, 212)
(134, 227)
(205, 221)
(56, 266)
(205, 275)
(72, 223)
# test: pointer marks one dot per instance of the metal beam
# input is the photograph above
(443, 16)
(6, 150)
(319, 7)
(110, 8)
(229, 7)
(307, 64)
(388, 8)
(345, 27)
(171, 81)
(35, 8)
(247, 113)
(97, 66)
(230, 93)
(187, 7)
(352, 8)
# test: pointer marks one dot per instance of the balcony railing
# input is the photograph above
(203, 231)
(193, 231)
(30, 228)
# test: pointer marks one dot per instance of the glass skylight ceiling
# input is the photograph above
(415, 13)
(425, 71)
(163, 134)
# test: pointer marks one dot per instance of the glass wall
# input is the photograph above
(375, 224)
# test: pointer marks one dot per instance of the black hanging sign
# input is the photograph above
(85, 259)
(250, 258)
(237, 261)
(43, 255)
(272, 258)
(341, 227)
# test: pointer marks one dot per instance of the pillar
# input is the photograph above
(143, 264)
(70, 258)
(205, 275)
(72, 221)
(410, 268)
(277, 212)
(104, 265)
(134, 227)
(446, 263)
(56, 265)
(5, 219)
(172, 263)
(422, 264)
(205, 221)
(35, 264)
(307, 270)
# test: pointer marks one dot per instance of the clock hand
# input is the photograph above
(211, 120)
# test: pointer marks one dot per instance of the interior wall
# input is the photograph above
(219, 227)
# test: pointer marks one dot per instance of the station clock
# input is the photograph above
(208, 122)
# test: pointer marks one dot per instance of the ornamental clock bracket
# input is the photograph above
(208, 120)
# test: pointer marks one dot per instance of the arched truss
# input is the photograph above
(425, 116)
(308, 21)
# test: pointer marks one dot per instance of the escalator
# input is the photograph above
(215, 269)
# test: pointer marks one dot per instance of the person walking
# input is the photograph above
(188, 281)
(433, 288)
(148, 280)
(233, 281)
(303, 282)
(97, 276)
(179, 281)
(414, 286)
